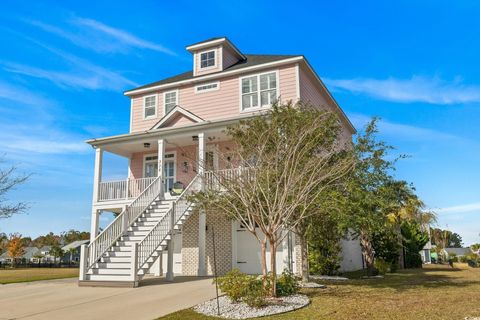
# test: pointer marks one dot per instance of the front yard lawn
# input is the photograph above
(35, 274)
(434, 292)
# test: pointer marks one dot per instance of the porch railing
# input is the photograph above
(123, 189)
(121, 223)
(214, 179)
(154, 238)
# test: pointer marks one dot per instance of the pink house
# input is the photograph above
(176, 123)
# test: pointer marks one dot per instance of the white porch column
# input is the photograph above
(201, 216)
(94, 224)
(161, 155)
(97, 173)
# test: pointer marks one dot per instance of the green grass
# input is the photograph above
(435, 292)
(35, 274)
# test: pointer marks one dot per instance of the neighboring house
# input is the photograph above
(72, 251)
(458, 252)
(30, 253)
(4, 258)
(176, 123)
(45, 253)
(426, 252)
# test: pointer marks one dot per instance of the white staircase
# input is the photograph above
(124, 252)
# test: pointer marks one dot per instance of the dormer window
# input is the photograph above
(207, 59)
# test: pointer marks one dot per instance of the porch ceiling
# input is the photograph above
(126, 144)
(127, 148)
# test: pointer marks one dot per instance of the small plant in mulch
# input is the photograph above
(253, 290)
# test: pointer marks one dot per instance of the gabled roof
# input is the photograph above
(45, 248)
(250, 61)
(74, 245)
(214, 42)
(30, 252)
(458, 251)
(175, 112)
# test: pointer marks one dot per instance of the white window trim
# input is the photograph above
(215, 64)
(156, 106)
(207, 90)
(277, 75)
(145, 161)
(174, 158)
(164, 100)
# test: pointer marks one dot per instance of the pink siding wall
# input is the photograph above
(229, 57)
(213, 105)
(313, 93)
(218, 59)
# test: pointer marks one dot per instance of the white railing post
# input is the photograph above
(126, 188)
(133, 264)
(83, 262)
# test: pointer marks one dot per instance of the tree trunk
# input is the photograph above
(304, 257)
(367, 251)
(263, 249)
(273, 267)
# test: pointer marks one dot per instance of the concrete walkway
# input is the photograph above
(63, 299)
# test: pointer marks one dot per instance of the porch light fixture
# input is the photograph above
(195, 138)
(185, 166)
(146, 145)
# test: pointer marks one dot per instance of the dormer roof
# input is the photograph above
(215, 42)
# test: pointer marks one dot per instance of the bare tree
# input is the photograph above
(8, 181)
(286, 159)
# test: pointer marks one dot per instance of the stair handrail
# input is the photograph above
(149, 244)
(107, 238)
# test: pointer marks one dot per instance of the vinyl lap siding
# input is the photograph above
(212, 105)
(229, 57)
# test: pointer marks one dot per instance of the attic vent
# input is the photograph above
(207, 87)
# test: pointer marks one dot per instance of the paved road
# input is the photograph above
(63, 299)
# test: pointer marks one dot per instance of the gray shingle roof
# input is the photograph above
(458, 251)
(74, 245)
(252, 60)
(208, 40)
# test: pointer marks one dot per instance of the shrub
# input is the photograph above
(235, 284)
(382, 266)
(239, 286)
(287, 284)
(255, 293)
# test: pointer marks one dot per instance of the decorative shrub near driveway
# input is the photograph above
(247, 296)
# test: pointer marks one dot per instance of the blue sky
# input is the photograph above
(64, 66)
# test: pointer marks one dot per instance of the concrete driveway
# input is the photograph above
(63, 299)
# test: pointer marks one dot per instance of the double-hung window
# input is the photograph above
(259, 90)
(150, 107)
(170, 100)
(207, 59)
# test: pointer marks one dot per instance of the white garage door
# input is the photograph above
(248, 256)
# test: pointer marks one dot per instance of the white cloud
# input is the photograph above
(470, 207)
(97, 36)
(22, 95)
(431, 90)
(121, 35)
(404, 131)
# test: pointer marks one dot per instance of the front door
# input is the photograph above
(169, 169)
(169, 174)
